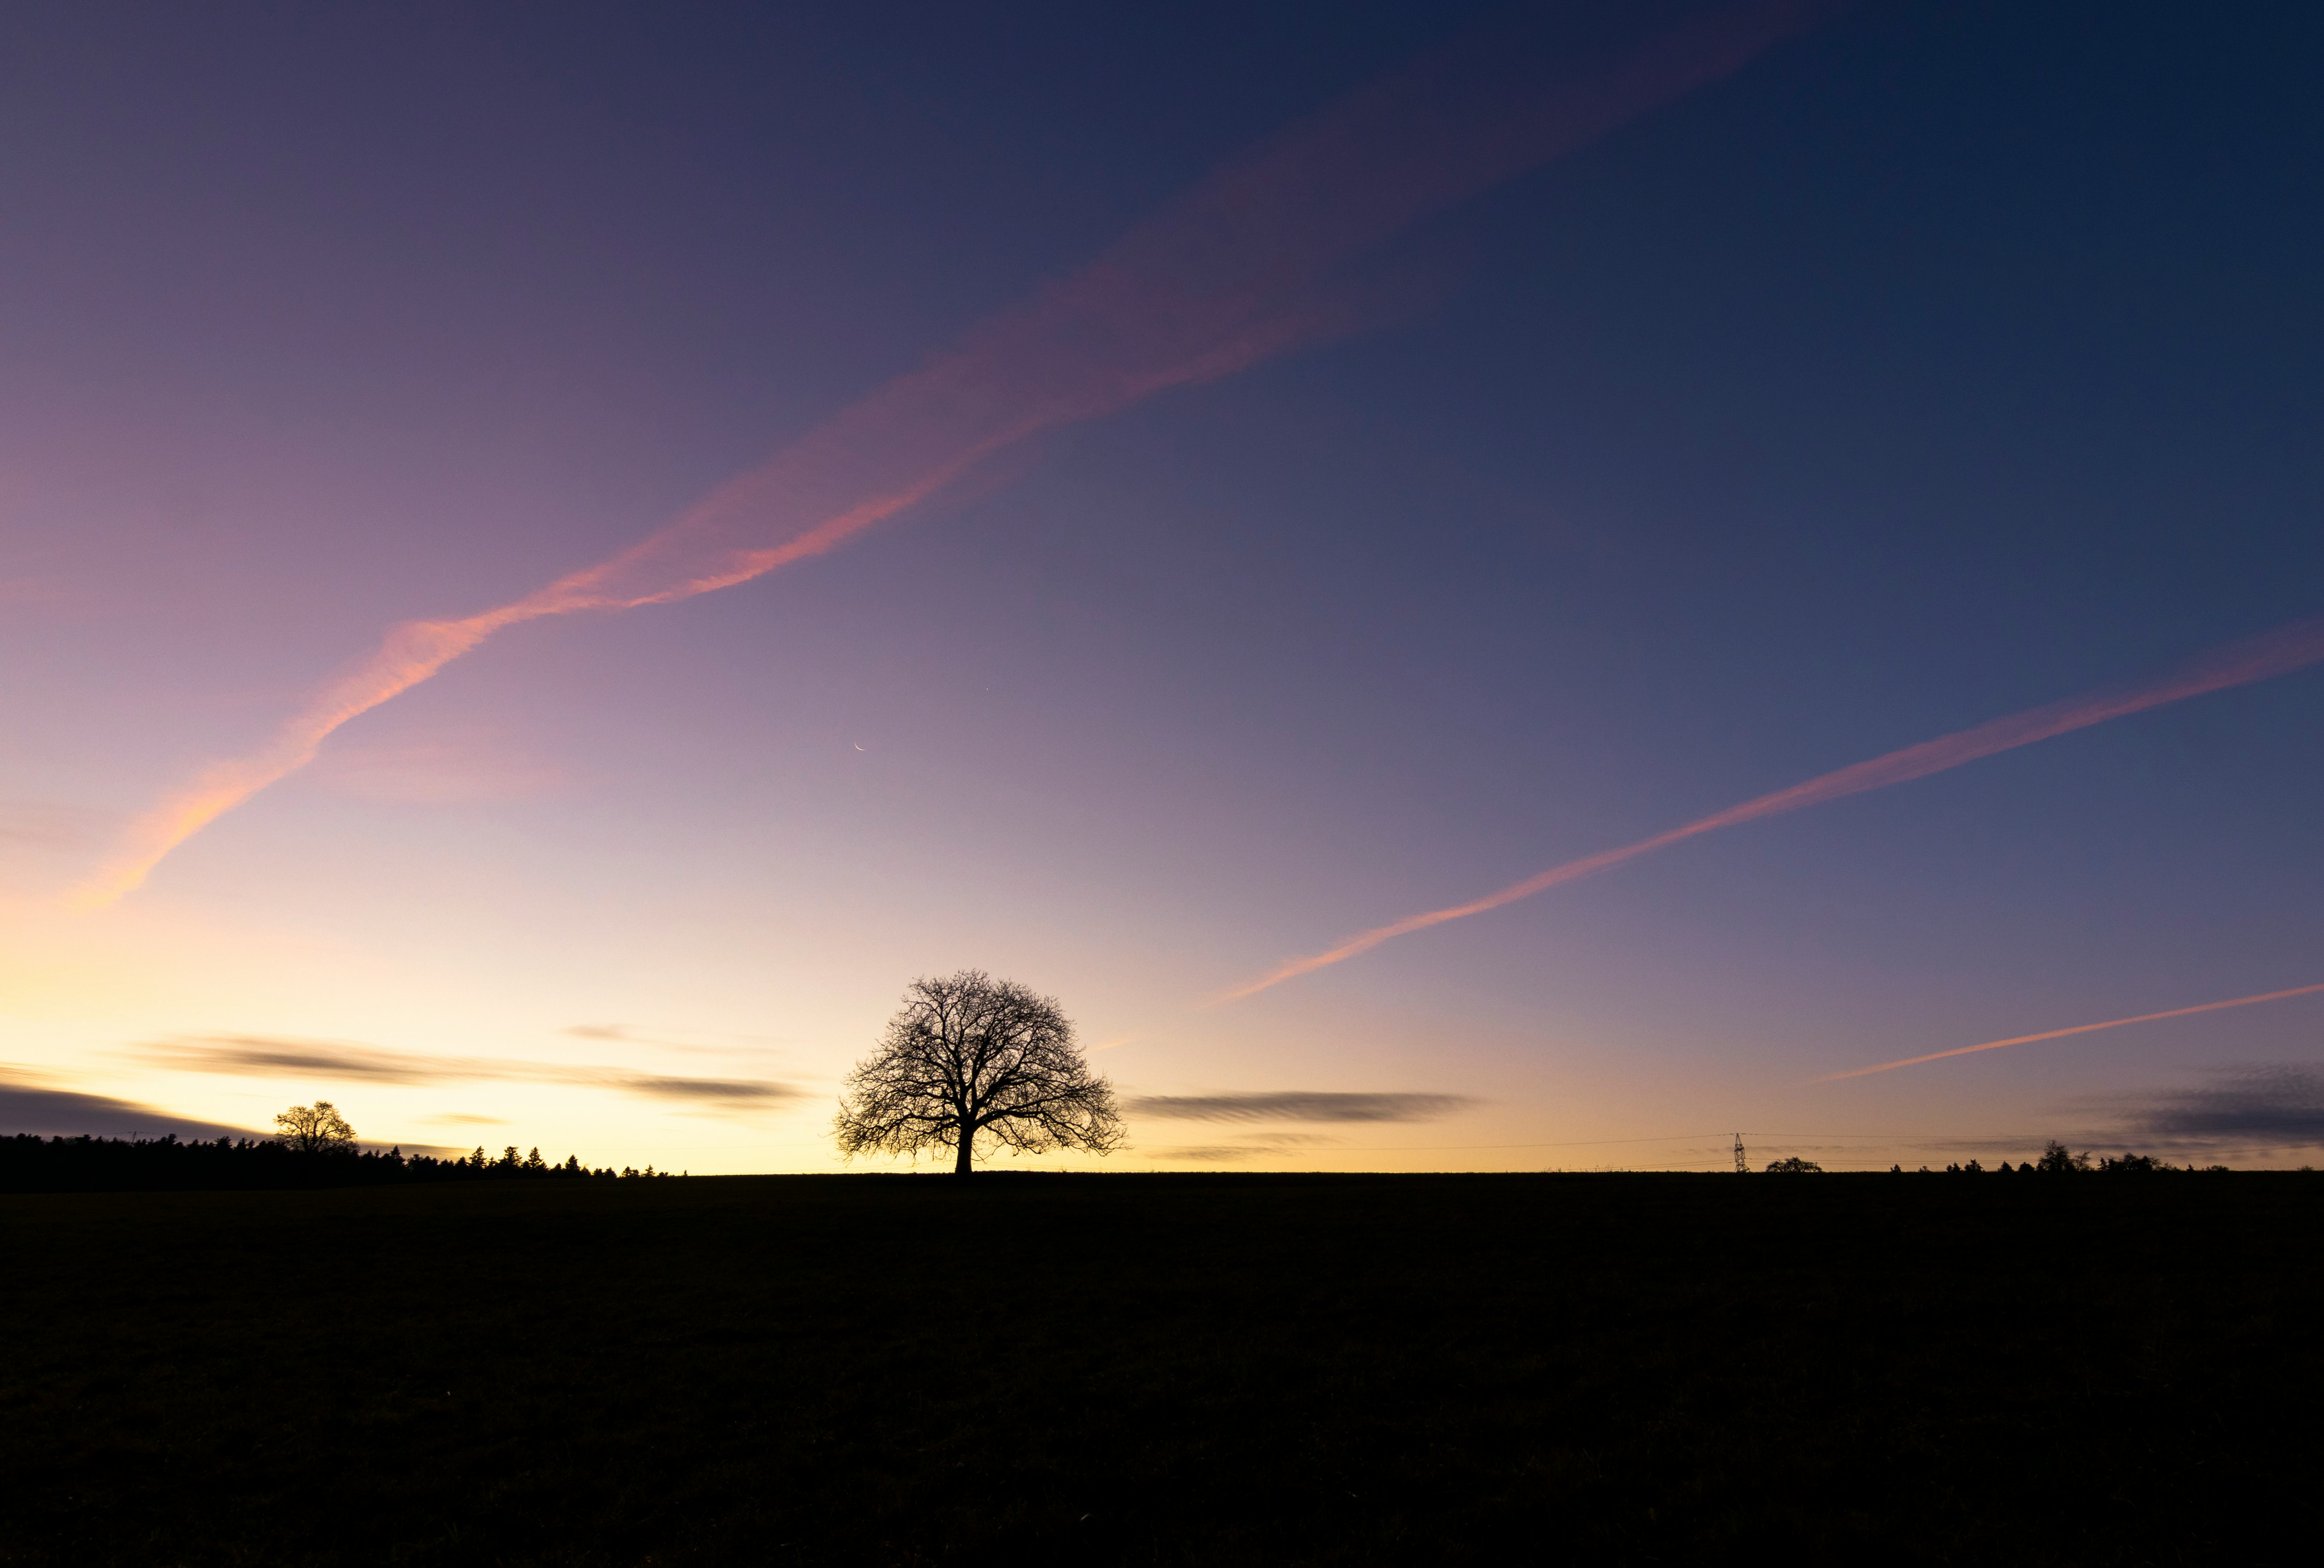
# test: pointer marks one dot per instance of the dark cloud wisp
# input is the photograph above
(2278, 1106)
(756, 1091)
(29, 1107)
(1299, 1105)
(258, 1056)
(1263, 1146)
(261, 1055)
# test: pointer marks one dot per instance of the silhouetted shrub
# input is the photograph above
(1795, 1165)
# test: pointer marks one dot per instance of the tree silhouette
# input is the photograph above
(317, 1129)
(969, 1054)
(2057, 1157)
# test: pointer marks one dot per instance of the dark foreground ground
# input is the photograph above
(1167, 1369)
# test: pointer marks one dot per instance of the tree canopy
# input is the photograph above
(971, 1054)
(317, 1129)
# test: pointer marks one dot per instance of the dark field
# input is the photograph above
(1166, 1370)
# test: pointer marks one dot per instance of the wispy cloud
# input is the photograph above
(1261, 1148)
(2115, 1023)
(741, 1091)
(2272, 653)
(1247, 266)
(2278, 1105)
(1299, 1105)
(267, 1056)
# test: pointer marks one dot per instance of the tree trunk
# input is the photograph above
(960, 1164)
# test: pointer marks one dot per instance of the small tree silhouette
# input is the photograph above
(1795, 1165)
(317, 1129)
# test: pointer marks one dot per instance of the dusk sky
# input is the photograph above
(1131, 500)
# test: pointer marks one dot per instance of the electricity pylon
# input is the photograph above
(1742, 1165)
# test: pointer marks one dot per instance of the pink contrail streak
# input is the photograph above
(2271, 653)
(2115, 1023)
(1237, 271)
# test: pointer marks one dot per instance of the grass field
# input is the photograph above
(1166, 1370)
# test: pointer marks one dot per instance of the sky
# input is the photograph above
(553, 558)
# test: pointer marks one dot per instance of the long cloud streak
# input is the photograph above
(1235, 271)
(2271, 653)
(258, 1056)
(2115, 1023)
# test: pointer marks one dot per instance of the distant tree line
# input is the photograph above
(316, 1148)
(32, 1164)
(2057, 1160)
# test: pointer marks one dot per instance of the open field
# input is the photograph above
(1164, 1369)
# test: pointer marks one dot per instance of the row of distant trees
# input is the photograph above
(2056, 1160)
(314, 1147)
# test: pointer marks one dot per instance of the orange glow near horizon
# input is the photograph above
(2239, 663)
(2145, 1018)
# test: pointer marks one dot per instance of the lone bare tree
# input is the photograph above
(971, 1054)
(317, 1129)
